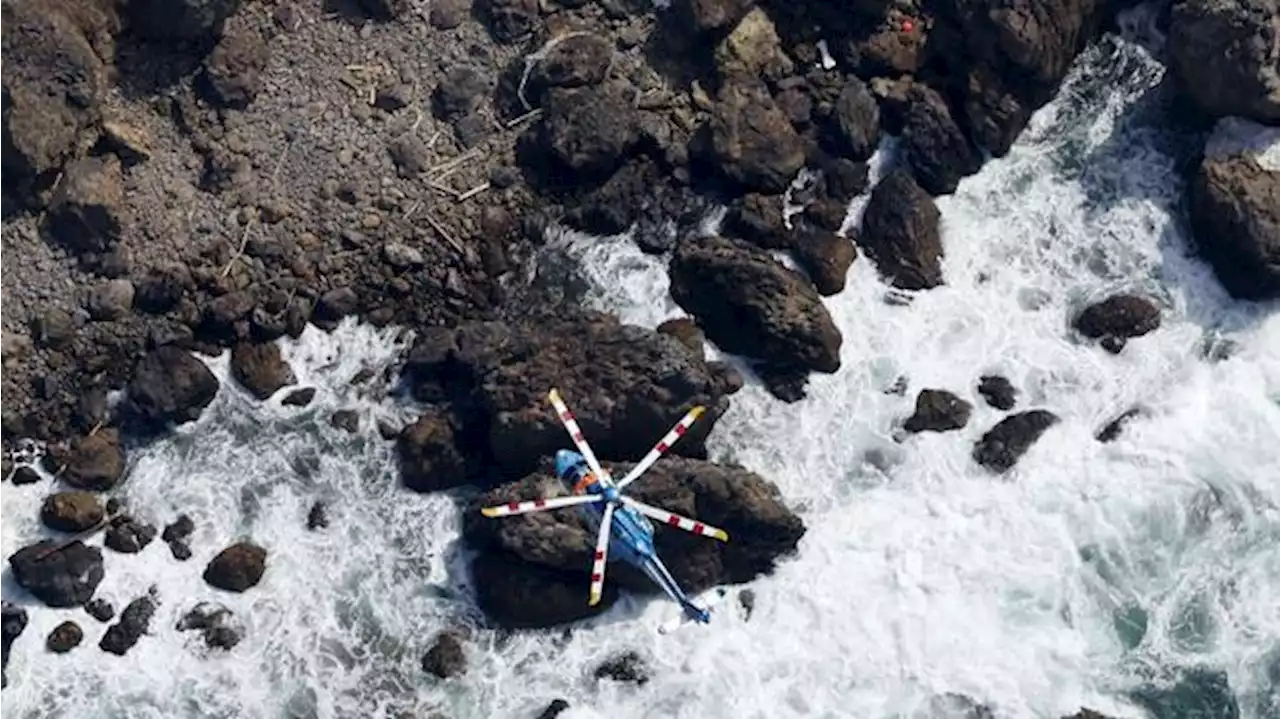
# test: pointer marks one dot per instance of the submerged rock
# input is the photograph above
(446, 657)
(1005, 443)
(533, 570)
(128, 536)
(220, 628)
(58, 575)
(938, 410)
(998, 391)
(1112, 430)
(554, 709)
(626, 667)
(135, 621)
(13, 621)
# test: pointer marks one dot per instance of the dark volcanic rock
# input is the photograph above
(586, 132)
(532, 570)
(260, 368)
(1001, 447)
(825, 256)
(100, 609)
(317, 517)
(53, 81)
(429, 457)
(934, 145)
(237, 567)
(750, 304)
(1235, 214)
(446, 657)
(1117, 319)
(135, 621)
(233, 71)
(938, 410)
(461, 92)
(65, 577)
(509, 20)
(13, 621)
(128, 536)
(1112, 430)
(64, 637)
(627, 386)
(171, 386)
(219, 626)
(998, 391)
(900, 233)
(751, 141)
(95, 462)
(855, 121)
(86, 213)
(1224, 56)
(685, 330)
(73, 511)
(573, 62)
(714, 14)
(554, 709)
(299, 397)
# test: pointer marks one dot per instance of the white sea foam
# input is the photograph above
(920, 573)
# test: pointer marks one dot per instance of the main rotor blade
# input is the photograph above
(602, 551)
(663, 445)
(537, 505)
(674, 520)
(571, 424)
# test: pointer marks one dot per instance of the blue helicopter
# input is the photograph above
(622, 523)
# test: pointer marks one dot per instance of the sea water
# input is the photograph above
(1089, 575)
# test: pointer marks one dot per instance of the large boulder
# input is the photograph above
(1235, 209)
(260, 368)
(53, 82)
(171, 386)
(937, 149)
(1224, 54)
(586, 132)
(536, 567)
(750, 304)
(60, 575)
(625, 384)
(900, 233)
(750, 140)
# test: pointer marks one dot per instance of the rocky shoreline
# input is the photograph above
(216, 174)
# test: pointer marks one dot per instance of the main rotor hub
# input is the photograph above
(611, 494)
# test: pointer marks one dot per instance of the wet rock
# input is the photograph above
(446, 657)
(900, 233)
(64, 637)
(1117, 319)
(1112, 430)
(751, 141)
(237, 568)
(685, 330)
(429, 456)
(13, 621)
(714, 14)
(25, 475)
(100, 609)
(853, 128)
(347, 420)
(998, 391)
(58, 575)
(86, 213)
(128, 536)
(509, 20)
(1005, 443)
(317, 517)
(825, 256)
(626, 667)
(587, 131)
(938, 410)
(627, 385)
(181, 19)
(179, 531)
(750, 304)
(171, 386)
(53, 81)
(1086, 713)
(73, 511)
(747, 600)
(937, 149)
(460, 92)
(135, 621)
(1224, 55)
(218, 624)
(554, 709)
(95, 462)
(299, 397)
(233, 71)
(531, 570)
(1235, 215)
(260, 368)
(957, 706)
(111, 300)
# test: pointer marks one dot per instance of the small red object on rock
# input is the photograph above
(908, 26)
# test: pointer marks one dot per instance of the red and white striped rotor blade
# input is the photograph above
(571, 424)
(537, 505)
(664, 444)
(602, 553)
(674, 520)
